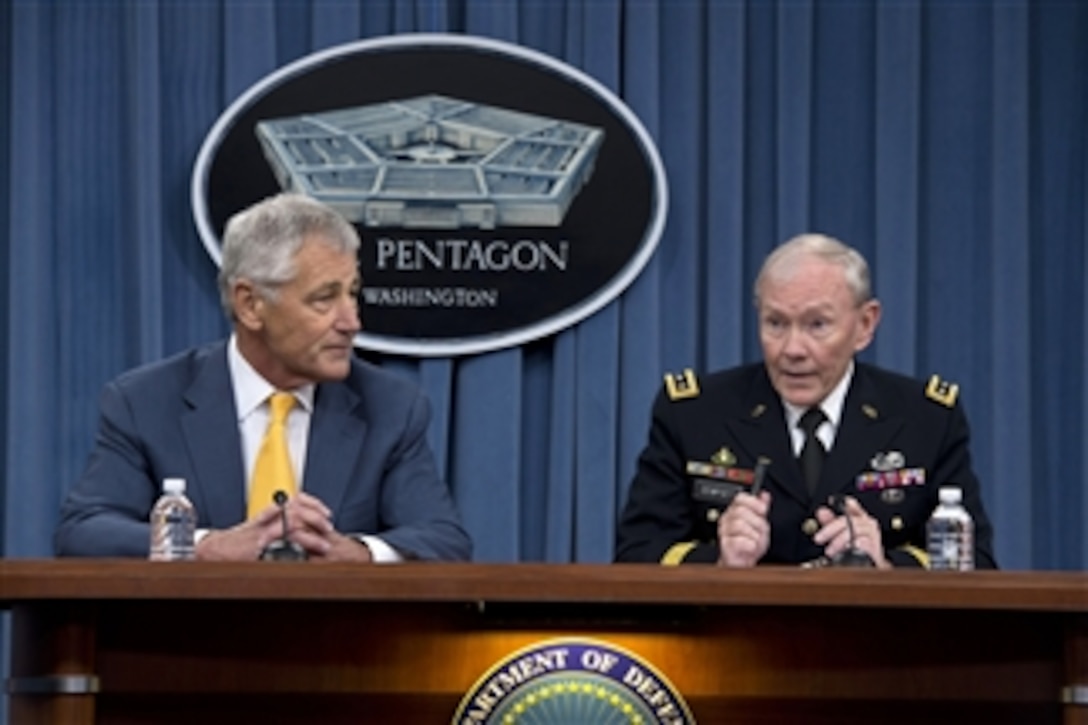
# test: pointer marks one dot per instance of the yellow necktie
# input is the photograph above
(272, 470)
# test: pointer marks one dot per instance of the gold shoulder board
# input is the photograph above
(682, 385)
(942, 391)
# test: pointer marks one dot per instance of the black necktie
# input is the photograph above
(812, 452)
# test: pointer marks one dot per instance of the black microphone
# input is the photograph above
(851, 556)
(283, 549)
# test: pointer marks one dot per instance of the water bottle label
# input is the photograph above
(950, 550)
(173, 529)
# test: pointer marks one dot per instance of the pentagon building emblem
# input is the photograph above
(573, 682)
(500, 195)
(434, 162)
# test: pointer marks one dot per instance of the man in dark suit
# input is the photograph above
(366, 485)
(881, 443)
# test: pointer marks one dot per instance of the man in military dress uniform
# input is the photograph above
(845, 445)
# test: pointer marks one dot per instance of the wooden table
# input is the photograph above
(118, 641)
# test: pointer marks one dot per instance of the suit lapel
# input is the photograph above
(337, 433)
(761, 431)
(868, 423)
(213, 442)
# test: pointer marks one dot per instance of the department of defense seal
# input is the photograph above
(573, 681)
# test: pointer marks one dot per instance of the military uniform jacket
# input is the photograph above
(898, 441)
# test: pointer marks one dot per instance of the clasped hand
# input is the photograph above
(834, 533)
(744, 533)
(309, 524)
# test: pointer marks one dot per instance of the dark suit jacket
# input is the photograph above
(886, 419)
(367, 459)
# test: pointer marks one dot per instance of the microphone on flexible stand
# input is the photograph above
(283, 549)
(851, 556)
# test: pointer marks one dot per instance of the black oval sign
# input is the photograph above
(500, 194)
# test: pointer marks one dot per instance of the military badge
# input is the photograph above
(723, 457)
(887, 461)
(720, 473)
(682, 386)
(899, 478)
(942, 391)
(892, 496)
(716, 484)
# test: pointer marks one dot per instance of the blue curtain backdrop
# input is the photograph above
(947, 140)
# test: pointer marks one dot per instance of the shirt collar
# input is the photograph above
(832, 405)
(251, 390)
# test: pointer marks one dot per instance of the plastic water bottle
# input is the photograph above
(173, 523)
(950, 533)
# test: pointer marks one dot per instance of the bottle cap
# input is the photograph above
(173, 485)
(950, 494)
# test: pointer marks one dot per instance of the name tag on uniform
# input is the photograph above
(714, 492)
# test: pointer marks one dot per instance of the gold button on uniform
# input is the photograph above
(712, 515)
(810, 526)
(897, 523)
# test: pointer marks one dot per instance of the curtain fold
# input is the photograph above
(1007, 401)
(945, 140)
(897, 138)
(727, 305)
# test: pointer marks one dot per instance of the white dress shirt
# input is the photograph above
(251, 393)
(832, 407)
